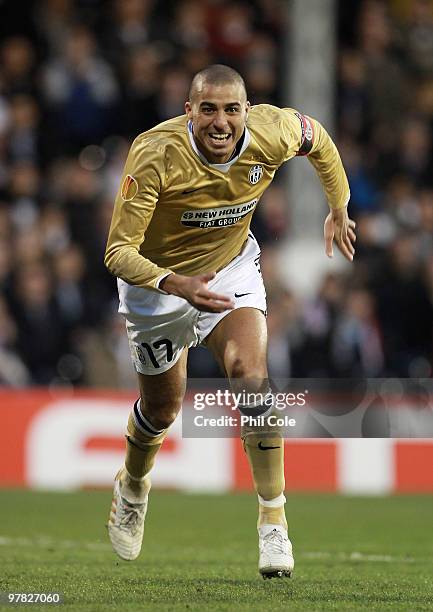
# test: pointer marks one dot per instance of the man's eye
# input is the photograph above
(207, 110)
(232, 109)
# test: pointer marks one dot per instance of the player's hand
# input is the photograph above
(194, 289)
(340, 228)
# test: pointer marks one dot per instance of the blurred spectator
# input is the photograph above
(363, 189)
(231, 30)
(24, 194)
(81, 202)
(415, 150)
(25, 139)
(6, 267)
(81, 93)
(141, 84)
(387, 93)
(172, 93)
(29, 246)
(18, 63)
(401, 203)
(418, 38)
(356, 343)
(259, 69)
(54, 230)
(426, 223)
(13, 372)
(42, 333)
(405, 309)
(353, 94)
(270, 221)
(312, 356)
(284, 332)
(106, 354)
(70, 290)
(128, 28)
(53, 20)
(190, 28)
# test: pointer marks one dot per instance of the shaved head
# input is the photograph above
(217, 110)
(216, 74)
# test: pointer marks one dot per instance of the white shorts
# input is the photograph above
(160, 326)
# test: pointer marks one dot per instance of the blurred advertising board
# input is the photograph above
(69, 440)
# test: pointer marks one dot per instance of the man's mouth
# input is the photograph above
(219, 137)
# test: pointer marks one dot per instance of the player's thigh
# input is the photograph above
(238, 338)
(162, 394)
(239, 343)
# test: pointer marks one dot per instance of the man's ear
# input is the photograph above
(188, 109)
(247, 108)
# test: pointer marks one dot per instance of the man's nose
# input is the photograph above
(220, 120)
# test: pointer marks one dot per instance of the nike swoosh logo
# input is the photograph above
(242, 294)
(266, 447)
(191, 190)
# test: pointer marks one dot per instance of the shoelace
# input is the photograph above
(131, 515)
(274, 542)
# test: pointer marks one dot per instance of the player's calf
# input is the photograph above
(264, 447)
(132, 485)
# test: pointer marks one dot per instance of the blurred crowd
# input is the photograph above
(377, 319)
(80, 79)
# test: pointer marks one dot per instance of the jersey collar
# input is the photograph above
(222, 167)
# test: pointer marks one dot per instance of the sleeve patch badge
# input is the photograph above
(129, 188)
(307, 136)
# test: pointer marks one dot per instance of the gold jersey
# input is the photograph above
(176, 212)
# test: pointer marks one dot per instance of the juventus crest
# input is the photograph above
(255, 174)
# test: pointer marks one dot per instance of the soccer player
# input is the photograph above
(186, 263)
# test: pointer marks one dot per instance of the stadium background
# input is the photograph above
(78, 80)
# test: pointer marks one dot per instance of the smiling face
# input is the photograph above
(218, 114)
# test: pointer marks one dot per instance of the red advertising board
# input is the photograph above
(59, 440)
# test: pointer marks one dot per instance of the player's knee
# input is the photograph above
(162, 413)
(163, 421)
(251, 375)
(247, 367)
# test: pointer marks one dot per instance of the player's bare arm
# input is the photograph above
(194, 289)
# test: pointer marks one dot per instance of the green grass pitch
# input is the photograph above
(200, 553)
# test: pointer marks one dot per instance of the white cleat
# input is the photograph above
(126, 522)
(275, 552)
